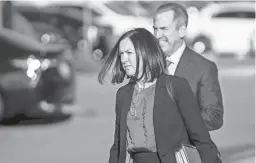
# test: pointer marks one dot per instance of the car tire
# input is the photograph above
(13, 120)
(2, 109)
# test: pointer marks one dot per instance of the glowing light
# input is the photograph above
(33, 64)
(199, 47)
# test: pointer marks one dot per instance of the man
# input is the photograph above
(170, 23)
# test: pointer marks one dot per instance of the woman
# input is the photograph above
(150, 125)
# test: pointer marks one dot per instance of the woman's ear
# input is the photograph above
(182, 31)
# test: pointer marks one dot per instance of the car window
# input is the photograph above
(236, 14)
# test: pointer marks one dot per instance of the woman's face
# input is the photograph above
(128, 57)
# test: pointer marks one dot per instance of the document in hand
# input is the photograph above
(187, 154)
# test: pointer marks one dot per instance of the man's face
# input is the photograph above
(166, 33)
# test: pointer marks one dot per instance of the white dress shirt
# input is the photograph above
(175, 58)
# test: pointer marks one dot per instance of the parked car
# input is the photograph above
(35, 79)
(226, 28)
(73, 23)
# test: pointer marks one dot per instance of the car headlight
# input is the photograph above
(30, 63)
(33, 64)
(31, 74)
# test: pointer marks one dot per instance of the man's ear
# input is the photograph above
(182, 31)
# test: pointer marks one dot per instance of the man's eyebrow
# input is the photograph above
(154, 27)
(163, 27)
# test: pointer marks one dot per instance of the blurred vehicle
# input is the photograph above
(36, 79)
(100, 22)
(72, 22)
(49, 21)
(225, 28)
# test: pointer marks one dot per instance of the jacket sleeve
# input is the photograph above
(194, 123)
(114, 149)
(210, 98)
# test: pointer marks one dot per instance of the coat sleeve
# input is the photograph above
(194, 123)
(210, 98)
(114, 149)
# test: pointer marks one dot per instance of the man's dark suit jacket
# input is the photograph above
(202, 75)
(171, 121)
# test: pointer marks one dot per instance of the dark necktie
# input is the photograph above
(168, 63)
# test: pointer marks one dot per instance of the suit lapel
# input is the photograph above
(159, 112)
(183, 64)
(126, 99)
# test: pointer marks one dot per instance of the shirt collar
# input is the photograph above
(140, 86)
(175, 57)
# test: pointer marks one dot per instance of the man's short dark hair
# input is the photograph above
(180, 13)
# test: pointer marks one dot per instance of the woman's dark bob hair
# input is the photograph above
(146, 46)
